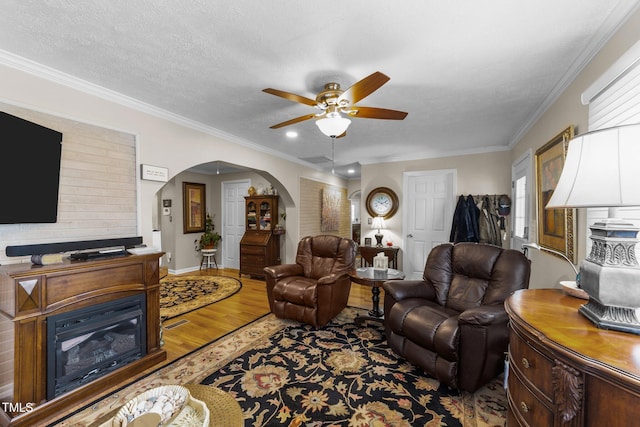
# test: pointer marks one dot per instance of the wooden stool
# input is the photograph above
(208, 258)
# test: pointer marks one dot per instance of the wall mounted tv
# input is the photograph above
(29, 171)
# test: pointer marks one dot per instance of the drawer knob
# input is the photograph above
(524, 407)
(526, 363)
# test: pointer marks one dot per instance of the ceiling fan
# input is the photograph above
(333, 101)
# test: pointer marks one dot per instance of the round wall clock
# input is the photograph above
(382, 201)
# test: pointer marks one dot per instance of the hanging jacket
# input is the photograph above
(489, 223)
(464, 227)
(474, 214)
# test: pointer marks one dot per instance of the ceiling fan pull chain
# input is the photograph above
(333, 150)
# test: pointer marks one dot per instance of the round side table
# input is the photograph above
(370, 276)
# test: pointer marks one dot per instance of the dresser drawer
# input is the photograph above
(253, 259)
(533, 366)
(252, 268)
(525, 405)
(253, 250)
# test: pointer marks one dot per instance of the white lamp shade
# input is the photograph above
(333, 125)
(378, 223)
(601, 170)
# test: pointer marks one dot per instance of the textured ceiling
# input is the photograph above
(473, 75)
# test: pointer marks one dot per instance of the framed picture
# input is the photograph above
(330, 215)
(194, 207)
(367, 241)
(556, 227)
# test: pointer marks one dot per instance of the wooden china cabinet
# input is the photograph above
(260, 245)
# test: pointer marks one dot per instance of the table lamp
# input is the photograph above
(378, 222)
(601, 170)
(531, 245)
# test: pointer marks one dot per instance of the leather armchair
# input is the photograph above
(316, 288)
(452, 323)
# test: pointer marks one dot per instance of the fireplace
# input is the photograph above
(32, 298)
(88, 343)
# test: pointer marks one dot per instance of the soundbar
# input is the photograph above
(52, 248)
(98, 253)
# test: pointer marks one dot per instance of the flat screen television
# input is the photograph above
(29, 171)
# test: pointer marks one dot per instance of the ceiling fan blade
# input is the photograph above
(376, 113)
(364, 87)
(292, 121)
(291, 97)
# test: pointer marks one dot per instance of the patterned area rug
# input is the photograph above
(182, 294)
(343, 375)
(369, 380)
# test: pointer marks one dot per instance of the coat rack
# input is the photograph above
(481, 218)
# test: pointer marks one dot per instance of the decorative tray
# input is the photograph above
(570, 288)
(174, 404)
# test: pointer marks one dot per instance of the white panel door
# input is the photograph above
(233, 193)
(428, 205)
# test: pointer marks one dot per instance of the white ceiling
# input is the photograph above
(473, 75)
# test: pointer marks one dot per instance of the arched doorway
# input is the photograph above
(181, 248)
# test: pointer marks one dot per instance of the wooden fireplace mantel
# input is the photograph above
(29, 294)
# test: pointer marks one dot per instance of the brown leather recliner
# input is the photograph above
(453, 324)
(316, 288)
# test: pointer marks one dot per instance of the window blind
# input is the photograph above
(614, 100)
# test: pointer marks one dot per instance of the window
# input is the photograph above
(520, 219)
(614, 100)
(521, 171)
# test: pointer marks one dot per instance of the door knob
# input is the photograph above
(409, 236)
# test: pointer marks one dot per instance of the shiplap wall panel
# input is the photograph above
(311, 209)
(97, 195)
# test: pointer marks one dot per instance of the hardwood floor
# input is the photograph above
(187, 332)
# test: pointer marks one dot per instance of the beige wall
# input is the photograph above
(488, 173)
(568, 110)
(162, 139)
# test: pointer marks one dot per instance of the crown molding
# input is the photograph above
(55, 76)
(434, 154)
(621, 13)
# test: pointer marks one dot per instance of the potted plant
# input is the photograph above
(210, 238)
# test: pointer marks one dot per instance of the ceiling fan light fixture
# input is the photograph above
(333, 125)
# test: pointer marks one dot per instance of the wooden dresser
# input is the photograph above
(563, 370)
(260, 244)
(368, 252)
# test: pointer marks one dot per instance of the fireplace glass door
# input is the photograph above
(85, 344)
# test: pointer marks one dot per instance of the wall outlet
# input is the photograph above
(168, 255)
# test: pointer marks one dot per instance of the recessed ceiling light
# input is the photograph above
(292, 134)
(351, 171)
